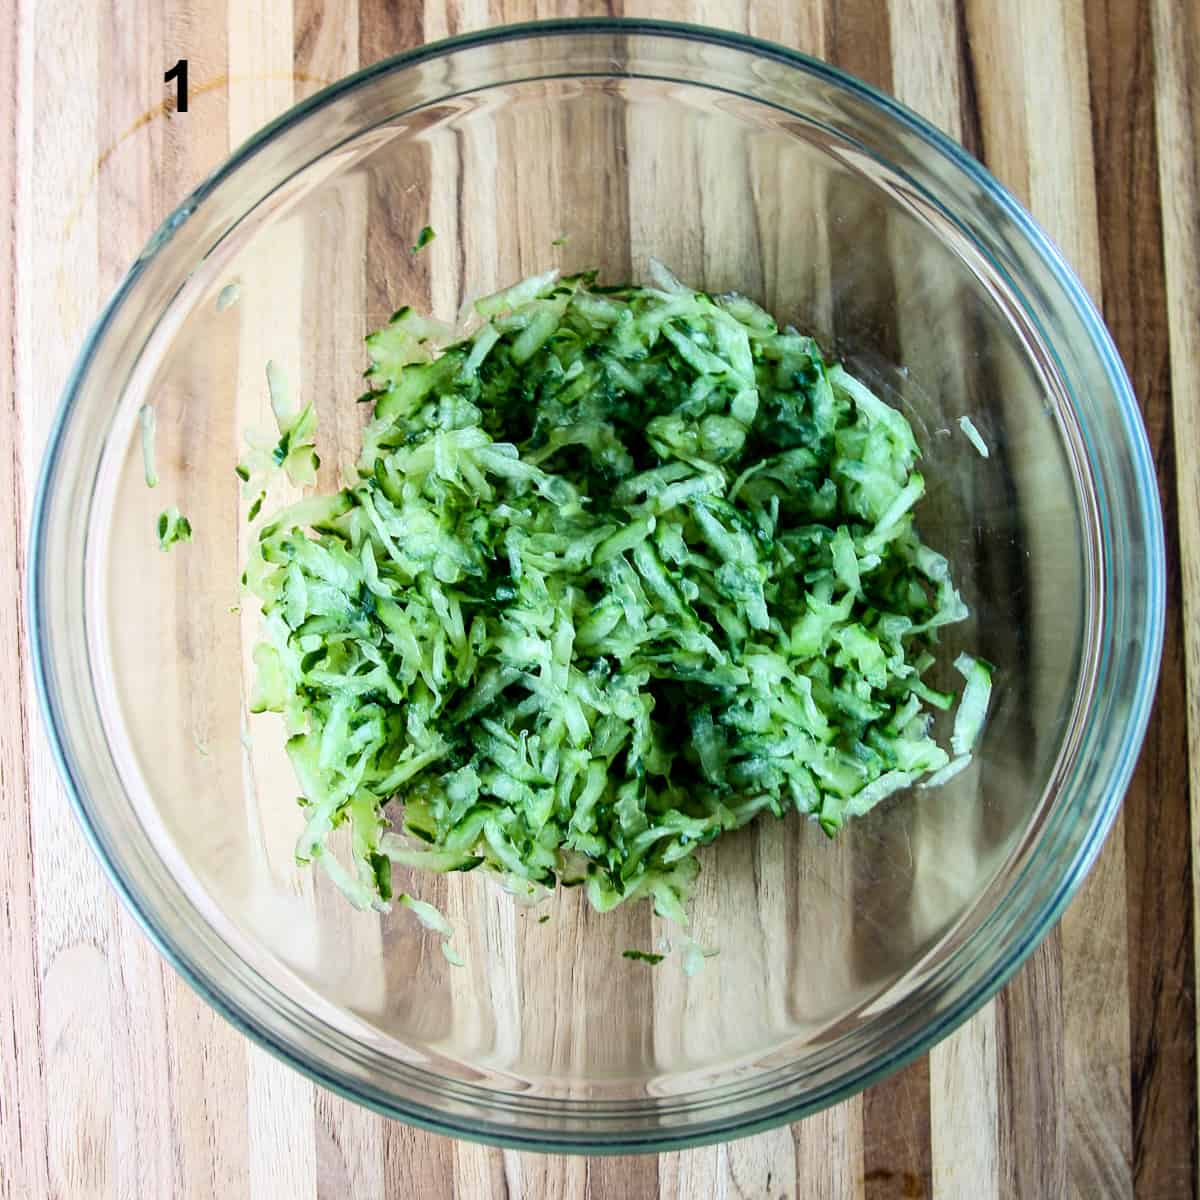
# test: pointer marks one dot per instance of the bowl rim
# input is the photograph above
(911, 1045)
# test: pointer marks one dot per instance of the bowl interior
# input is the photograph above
(806, 207)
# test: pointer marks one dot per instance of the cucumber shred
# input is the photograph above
(149, 425)
(643, 956)
(972, 707)
(973, 436)
(172, 526)
(621, 571)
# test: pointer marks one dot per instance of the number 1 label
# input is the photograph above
(178, 73)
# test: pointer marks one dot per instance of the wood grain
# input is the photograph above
(22, 1099)
(1168, 1044)
(1160, 1039)
(1080, 1079)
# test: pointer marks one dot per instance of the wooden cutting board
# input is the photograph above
(1079, 1079)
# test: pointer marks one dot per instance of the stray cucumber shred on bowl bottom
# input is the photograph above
(621, 571)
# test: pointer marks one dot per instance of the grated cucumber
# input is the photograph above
(621, 571)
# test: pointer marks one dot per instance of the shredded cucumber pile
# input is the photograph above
(621, 571)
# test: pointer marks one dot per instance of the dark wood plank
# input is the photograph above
(897, 1157)
(1157, 818)
(1029, 1044)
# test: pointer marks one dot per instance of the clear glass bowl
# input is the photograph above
(741, 165)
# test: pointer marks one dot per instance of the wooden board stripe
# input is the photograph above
(22, 1099)
(1167, 1100)
(1081, 1079)
(1176, 39)
(1160, 1041)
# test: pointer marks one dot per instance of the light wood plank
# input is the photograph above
(133, 185)
(207, 1057)
(1062, 196)
(350, 1139)
(920, 1116)
(829, 1153)
(280, 1105)
(762, 1166)
(549, 1174)
(282, 1129)
(965, 1111)
(75, 911)
(1036, 129)
(22, 1099)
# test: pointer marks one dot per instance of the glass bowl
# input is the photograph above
(741, 165)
